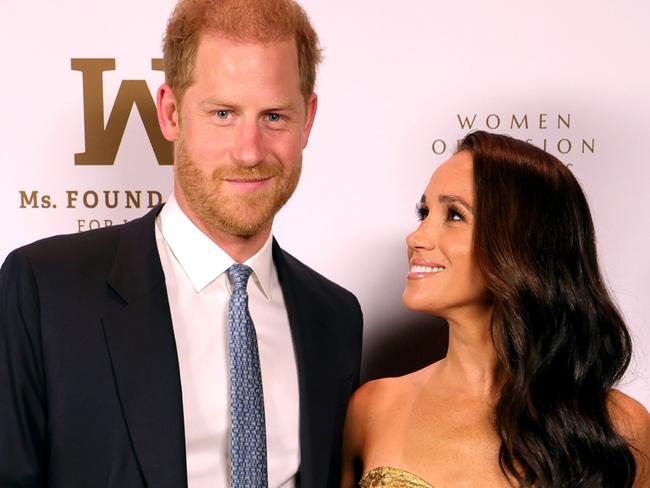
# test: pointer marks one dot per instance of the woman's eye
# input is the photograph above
(422, 211)
(454, 215)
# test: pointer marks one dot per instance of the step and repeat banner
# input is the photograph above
(401, 82)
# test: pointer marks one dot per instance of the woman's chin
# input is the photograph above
(417, 303)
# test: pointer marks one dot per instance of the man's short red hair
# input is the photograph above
(245, 20)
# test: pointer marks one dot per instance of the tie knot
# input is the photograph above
(238, 274)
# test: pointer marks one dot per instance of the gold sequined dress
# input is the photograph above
(387, 477)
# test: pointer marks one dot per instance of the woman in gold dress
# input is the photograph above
(505, 252)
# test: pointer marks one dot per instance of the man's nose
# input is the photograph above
(249, 149)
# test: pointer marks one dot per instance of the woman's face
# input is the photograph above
(443, 278)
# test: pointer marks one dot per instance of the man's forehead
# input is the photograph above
(211, 35)
(251, 56)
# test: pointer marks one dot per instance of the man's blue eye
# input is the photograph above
(275, 117)
(222, 114)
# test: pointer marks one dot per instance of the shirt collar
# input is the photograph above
(201, 258)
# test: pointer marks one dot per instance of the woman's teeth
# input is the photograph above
(426, 269)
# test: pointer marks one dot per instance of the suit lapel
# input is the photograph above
(142, 349)
(140, 340)
(318, 381)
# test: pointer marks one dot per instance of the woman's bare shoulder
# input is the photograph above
(367, 409)
(631, 419)
(382, 395)
(376, 404)
(373, 396)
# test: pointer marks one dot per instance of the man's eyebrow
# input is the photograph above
(215, 101)
(423, 200)
(280, 107)
(447, 199)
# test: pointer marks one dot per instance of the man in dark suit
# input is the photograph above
(119, 348)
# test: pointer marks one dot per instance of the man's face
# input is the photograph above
(242, 126)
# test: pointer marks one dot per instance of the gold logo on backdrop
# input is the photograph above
(102, 142)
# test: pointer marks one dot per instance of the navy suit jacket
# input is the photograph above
(90, 392)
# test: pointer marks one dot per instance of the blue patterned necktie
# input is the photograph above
(248, 438)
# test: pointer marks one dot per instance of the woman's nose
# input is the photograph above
(420, 238)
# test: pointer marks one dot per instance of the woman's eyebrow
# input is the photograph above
(447, 199)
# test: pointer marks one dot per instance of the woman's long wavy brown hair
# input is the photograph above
(561, 342)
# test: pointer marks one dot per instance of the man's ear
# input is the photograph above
(312, 105)
(167, 112)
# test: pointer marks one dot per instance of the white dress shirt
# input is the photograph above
(199, 290)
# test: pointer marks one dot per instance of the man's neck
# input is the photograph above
(240, 248)
(237, 247)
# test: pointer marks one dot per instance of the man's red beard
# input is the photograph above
(236, 213)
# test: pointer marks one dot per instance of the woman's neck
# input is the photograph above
(471, 360)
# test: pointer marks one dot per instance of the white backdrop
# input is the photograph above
(401, 81)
